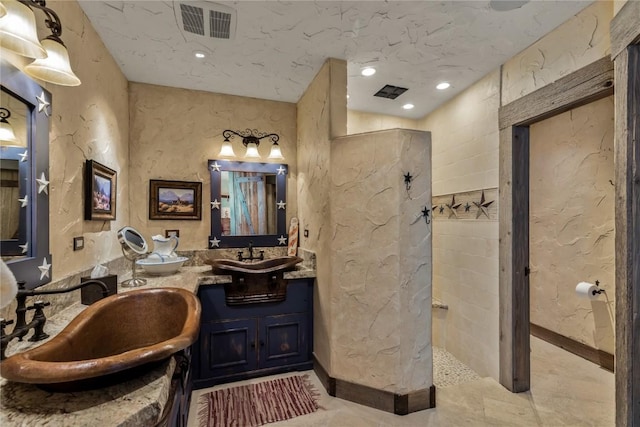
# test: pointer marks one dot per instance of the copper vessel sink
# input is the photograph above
(255, 282)
(118, 334)
(272, 265)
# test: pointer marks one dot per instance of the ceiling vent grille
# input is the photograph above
(203, 19)
(390, 92)
(192, 19)
(220, 24)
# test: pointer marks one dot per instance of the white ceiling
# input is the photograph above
(279, 47)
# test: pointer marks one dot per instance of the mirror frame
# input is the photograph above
(216, 239)
(36, 268)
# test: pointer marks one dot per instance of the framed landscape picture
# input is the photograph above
(99, 192)
(175, 199)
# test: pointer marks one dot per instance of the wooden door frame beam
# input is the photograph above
(590, 83)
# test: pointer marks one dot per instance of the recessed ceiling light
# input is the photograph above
(408, 106)
(443, 86)
(347, 96)
(367, 72)
(199, 55)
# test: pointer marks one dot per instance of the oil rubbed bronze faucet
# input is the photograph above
(250, 257)
(21, 328)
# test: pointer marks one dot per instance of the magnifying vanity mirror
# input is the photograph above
(248, 204)
(134, 247)
(24, 172)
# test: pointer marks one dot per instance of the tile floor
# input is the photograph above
(566, 390)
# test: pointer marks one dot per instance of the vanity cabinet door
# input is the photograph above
(284, 339)
(228, 347)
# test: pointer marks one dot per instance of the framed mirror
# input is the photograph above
(248, 204)
(24, 172)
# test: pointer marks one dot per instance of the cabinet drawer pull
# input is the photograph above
(261, 343)
(253, 344)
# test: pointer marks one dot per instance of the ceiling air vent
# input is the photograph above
(202, 19)
(390, 92)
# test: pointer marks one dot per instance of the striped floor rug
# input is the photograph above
(258, 404)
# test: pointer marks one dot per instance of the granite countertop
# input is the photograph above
(138, 402)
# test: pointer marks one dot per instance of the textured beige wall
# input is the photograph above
(572, 222)
(576, 43)
(174, 132)
(381, 260)
(464, 135)
(360, 122)
(90, 121)
(321, 114)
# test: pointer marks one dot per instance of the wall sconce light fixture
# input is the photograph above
(250, 139)
(18, 34)
(7, 135)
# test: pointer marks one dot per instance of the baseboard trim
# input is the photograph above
(399, 404)
(599, 357)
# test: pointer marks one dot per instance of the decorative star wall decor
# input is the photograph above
(24, 247)
(43, 184)
(24, 202)
(282, 240)
(482, 206)
(214, 243)
(425, 214)
(43, 104)
(215, 167)
(453, 207)
(467, 206)
(24, 156)
(215, 204)
(44, 269)
(281, 204)
(407, 180)
(441, 209)
(281, 170)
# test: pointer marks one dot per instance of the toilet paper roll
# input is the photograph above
(585, 289)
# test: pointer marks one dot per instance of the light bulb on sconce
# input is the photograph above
(7, 135)
(250, 139)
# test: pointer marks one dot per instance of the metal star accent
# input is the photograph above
(482, 206)
(215, 167)
(407, 180)
(441, 209)
(453, 207)
(44, 269)
(215, 204)
(214, 243)
(467, 207)
(43, 104)
(282, 240)
(43, 184)
(281, 204)
(24, 202)
(425, 214)
(24, 247)
(281, 170)
(24, 156)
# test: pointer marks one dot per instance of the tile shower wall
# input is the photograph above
(572, 223)
(465, 252)
(175, 131)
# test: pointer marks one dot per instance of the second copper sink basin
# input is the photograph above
(255, 282)
(115, 334)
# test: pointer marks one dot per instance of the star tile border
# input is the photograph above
(480, 205)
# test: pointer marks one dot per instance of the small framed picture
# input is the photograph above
(99, 192)
(175, 200)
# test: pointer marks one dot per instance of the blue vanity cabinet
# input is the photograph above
(252, 340)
